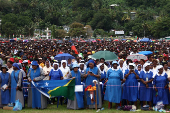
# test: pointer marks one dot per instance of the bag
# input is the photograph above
(18, 106)
(127, 108)
(145, 108)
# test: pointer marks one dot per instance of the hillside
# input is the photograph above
(137, 16)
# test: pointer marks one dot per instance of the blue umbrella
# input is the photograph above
(145, 40)
(145, 52)
(64, 56)
(124, 39)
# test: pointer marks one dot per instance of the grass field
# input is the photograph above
(63, 109)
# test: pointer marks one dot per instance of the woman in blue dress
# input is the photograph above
(16, 85)
(130, 88)
(55, 73)
(93, 73)
(78, 102)
(113, 88)
(146, 90)
(160, 83)
(5, 81)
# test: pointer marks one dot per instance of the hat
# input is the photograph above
(11, 59)
(16, 65)
(4, 66)
(25, 61)
(34, 63)
(115, 62)
(75, 65)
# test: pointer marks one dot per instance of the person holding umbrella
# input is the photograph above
(114, 76)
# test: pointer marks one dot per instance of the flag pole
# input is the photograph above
(95, 97)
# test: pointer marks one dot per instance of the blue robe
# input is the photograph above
(113, 89)
(14, 81)
(146, 94)
(36, 95)
(130, 88)
(79, 95)
(160, 82)
(5, 97)
(103, 76)
(55, 75)
(89, 81)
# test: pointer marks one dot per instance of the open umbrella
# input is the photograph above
(116, 40)
(145, 40)
(59, 42)
(64, 56)
(107, 55)
(94, 41)
(145, 52)
(137, 57)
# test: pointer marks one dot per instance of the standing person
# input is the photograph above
(146, 91)
(55, 74)
(65, 69)
(5, 79)
(16, 85)
(130, 89)
(35, 98)
(102, 72)
(93, 73)
(154, 70)
(114, 76)
(160, 83)
(78, 101)
(82, 70)
(47, 68)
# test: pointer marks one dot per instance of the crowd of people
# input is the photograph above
(124, 81)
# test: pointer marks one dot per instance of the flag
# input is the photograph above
(74, 48)
(54, 88)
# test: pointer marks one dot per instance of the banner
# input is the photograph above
(54, 88)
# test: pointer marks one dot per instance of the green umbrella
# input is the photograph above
(107, 55)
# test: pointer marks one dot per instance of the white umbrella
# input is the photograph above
(137, 57)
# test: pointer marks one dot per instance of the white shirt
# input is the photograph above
(66, 72)
(10, 70)
(46, 70)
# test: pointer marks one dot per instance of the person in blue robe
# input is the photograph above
(146, 90)
(16, 85)
(92, 73)
(113, 88)
(130, 88)
(160, 82)
(78, 102)
(5, 79)
(55, 73)
(35, 98)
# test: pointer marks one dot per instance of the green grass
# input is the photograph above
(63, 109)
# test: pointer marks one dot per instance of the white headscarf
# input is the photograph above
(159, 67)
(53, 66)
(84, 67)
(63, 62)
(146, 64)
(99, 67)
(132, 64)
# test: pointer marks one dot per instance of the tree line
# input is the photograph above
(152, 17)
